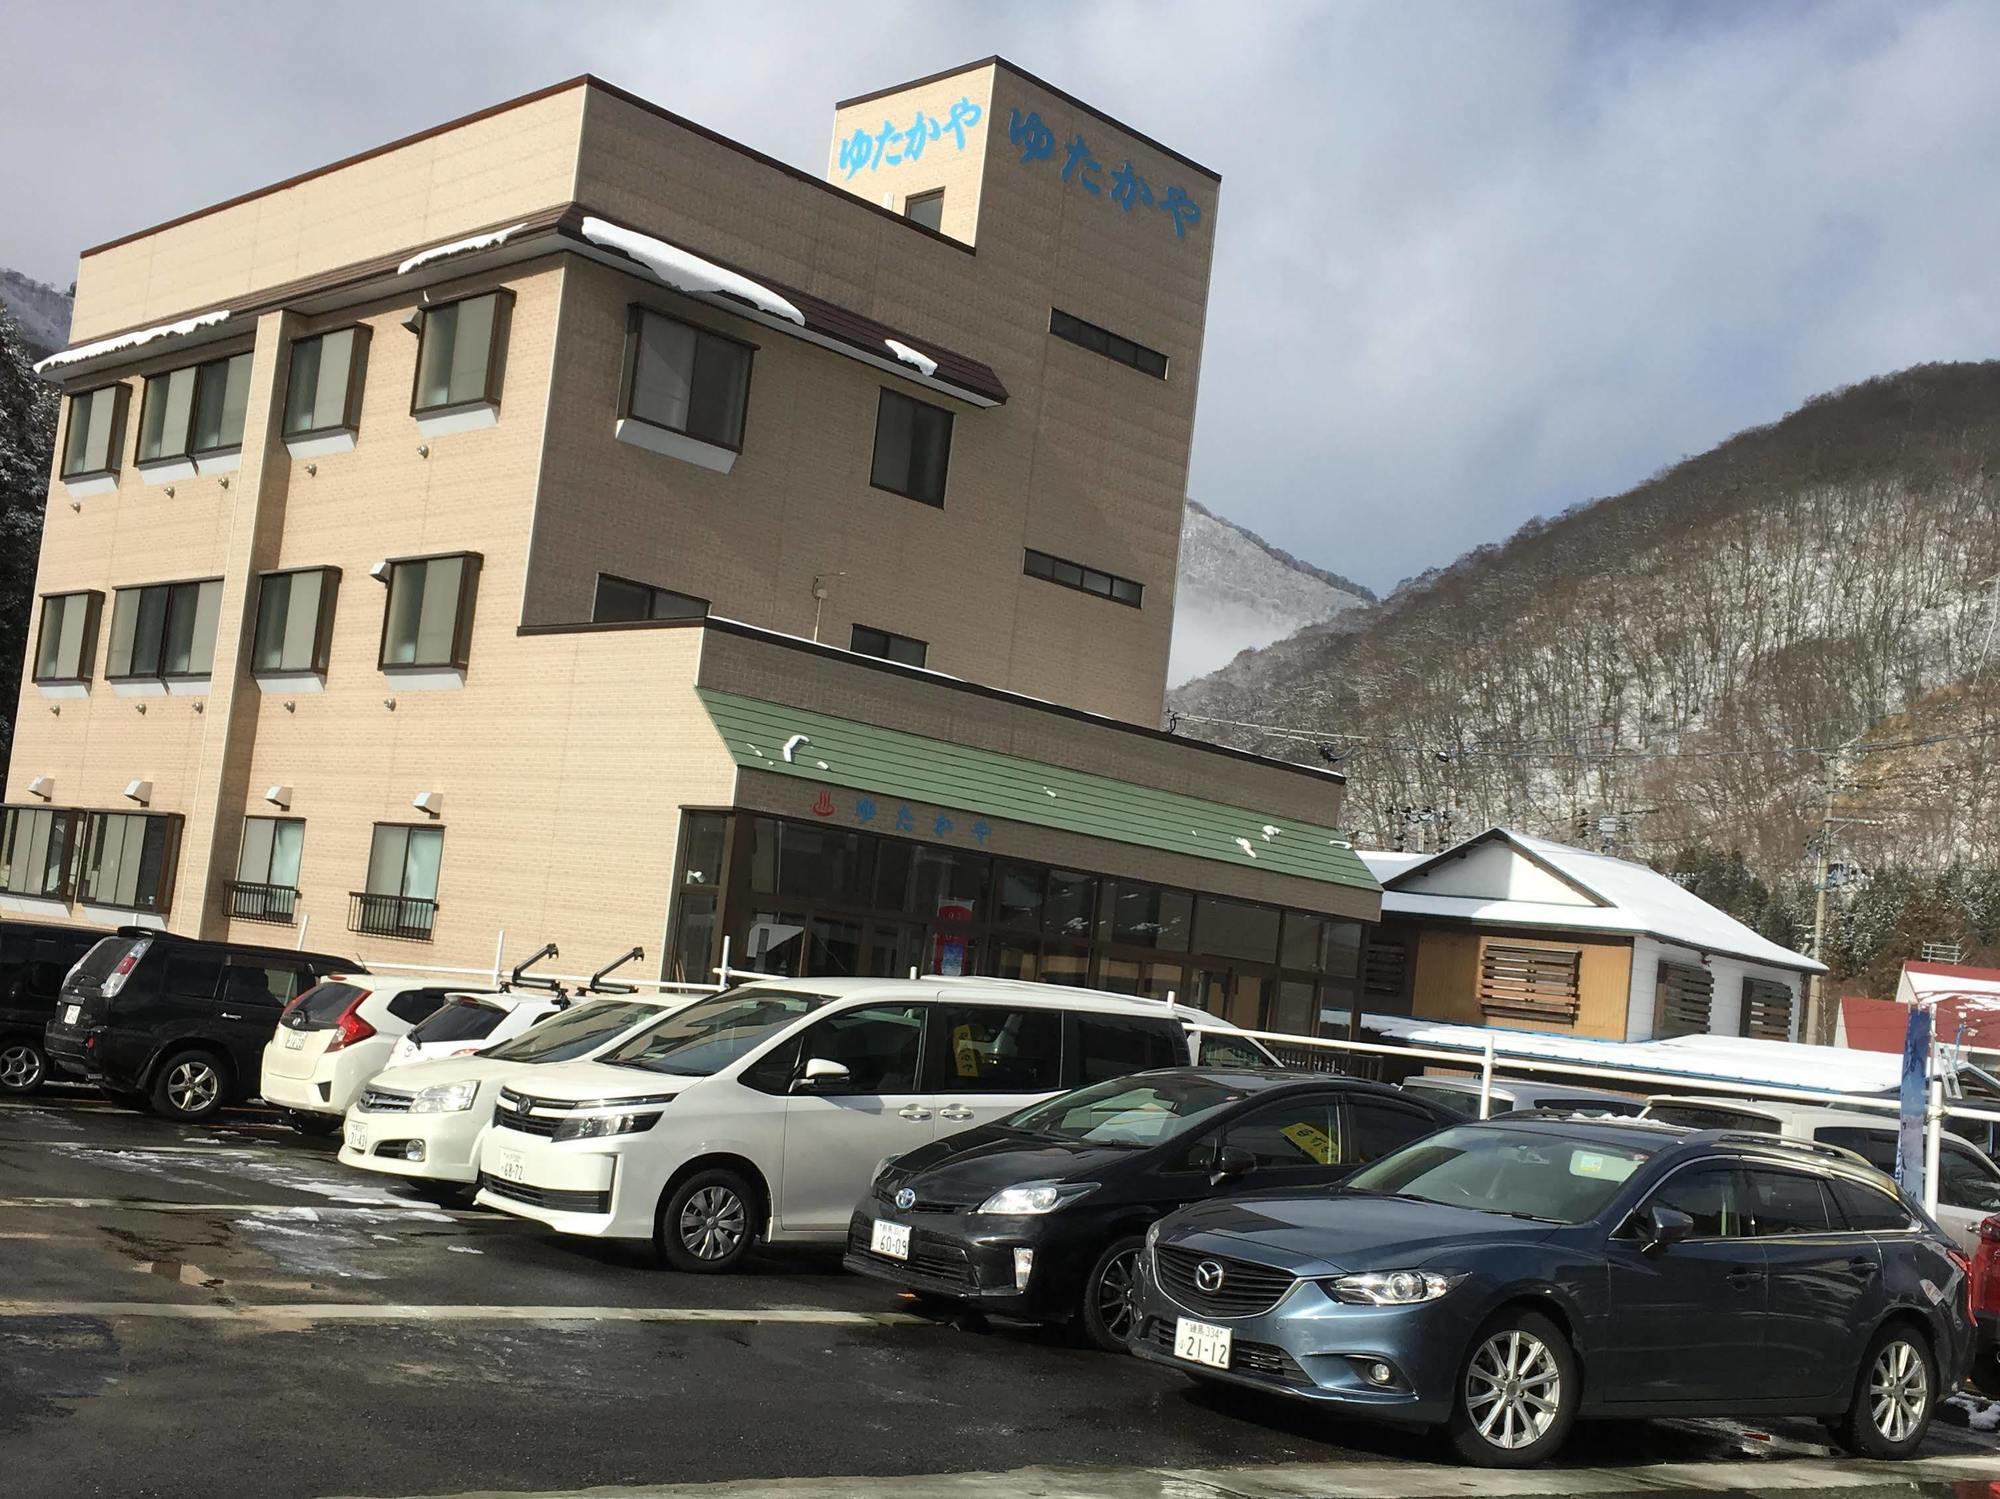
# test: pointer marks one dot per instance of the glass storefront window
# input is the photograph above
(1018, 895)
(1072, 905)
(942, 878)
(776, 944)
(703, 835)
(1066, 966)
(1340, 955)
(1305, 940)
(1136, 915)
(893, 950)
(836, 948)
(807, 862)
(1141, 976)
(1236, 929)
(694, 938)
(1293, 1009)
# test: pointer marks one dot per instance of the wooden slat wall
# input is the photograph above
(1767, 1010)
(1683, 999)
(1385, 974)
(1539, 983)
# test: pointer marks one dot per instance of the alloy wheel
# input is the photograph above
(1513, 1389)
(193, 1086)
(1118, 1294)
(20, 1067)
(712, 1224)
(1899, 1391)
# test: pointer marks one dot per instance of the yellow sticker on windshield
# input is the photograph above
(1314, 1141)
(1609, 1168)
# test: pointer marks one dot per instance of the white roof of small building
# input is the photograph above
(1564, 889)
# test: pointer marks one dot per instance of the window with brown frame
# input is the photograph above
(1084, 579)
(1114, 346)
(912, 448)
(462, 354)
(163, 630)
(1767, 1010)
(926, 209)
(294, 620)
(38, 850)
(620, 600)
(1530, 983)
(94, 439)
(66, 642)
(195, 411)
(887, 644)
(1684, 995)
(129, 859)
(427, 620)
(686, 379)
(323, 390)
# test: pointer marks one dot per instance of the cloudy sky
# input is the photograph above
(1474, 262)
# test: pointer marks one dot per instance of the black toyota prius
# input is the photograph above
(1042, 1215)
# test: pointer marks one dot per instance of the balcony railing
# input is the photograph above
(406, 916)
(273, 903)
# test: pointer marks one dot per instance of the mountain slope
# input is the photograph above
(41, 313)
(1673, 657)
(1237, 592)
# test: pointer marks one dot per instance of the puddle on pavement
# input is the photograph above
(180, 1272)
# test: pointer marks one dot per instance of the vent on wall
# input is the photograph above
(1683, 998)
(1767, 1010)
(1529, 983)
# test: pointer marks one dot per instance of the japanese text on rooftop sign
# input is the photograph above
(895, 144)
(1030, 135)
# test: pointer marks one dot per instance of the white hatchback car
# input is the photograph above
(473, 1022)
(336, 1035)
(761, 1114)
(426, 1120)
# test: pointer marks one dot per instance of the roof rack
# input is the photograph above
(1782, 1143)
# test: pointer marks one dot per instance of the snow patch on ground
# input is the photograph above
(1981, 1415)
(686, 271)
(130, 340)
(459, 247)
(925, 365)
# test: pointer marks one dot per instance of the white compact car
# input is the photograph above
(426, 1119)
(338, 1034)
(762, 1113)
(473, 1022)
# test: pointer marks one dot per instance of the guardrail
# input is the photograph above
(1484, 1063)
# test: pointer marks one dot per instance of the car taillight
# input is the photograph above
(1961, 1259)
(350, 1027)
(1989, 1229)
(123, 971)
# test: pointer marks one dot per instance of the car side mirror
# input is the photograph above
(1231, 1162)
(1664, 1226)
(820, 1073)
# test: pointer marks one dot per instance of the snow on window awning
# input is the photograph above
(459, 247)
(132, 340)
(911, 356)
(685, 271)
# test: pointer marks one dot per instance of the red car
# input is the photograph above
(1984, 1299)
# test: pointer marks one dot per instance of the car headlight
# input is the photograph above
(1391, 1287)
(1032, 1199)
(596, 1126)
(1152, 1235)
(445, 1098)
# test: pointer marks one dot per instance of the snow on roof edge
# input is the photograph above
(686, 271)
(130, 340)
(459, 247)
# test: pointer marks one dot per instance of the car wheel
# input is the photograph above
(1517, 1392)
(23, 1068)
(313, 1126)
(1895, 1395)
(188, 1087)
(707, 1224)
(1110, 1310)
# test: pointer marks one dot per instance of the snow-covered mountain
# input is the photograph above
(40, 311)
(1237, 592)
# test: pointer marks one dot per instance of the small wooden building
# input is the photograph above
(1509, 930)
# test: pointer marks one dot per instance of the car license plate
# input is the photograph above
(511, 1166)
(1201, 1343)
(294, 1040)
(890, 1239)
(357, 1135)
(72, 1014)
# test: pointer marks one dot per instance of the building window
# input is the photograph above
(686, 379)
(401, 898)
(1084, 579)
(912, 448)
(37, 850)
(164, 630)
(926, 209)
(1529, 983)
(129, 860)
(620, 600)
(323, 392)
(194, 411)
(1682, 997)
(66, 643)
(266, 887)
(907, 649)
(463, 349)
(94, 440)
(294, 619)
(428, 620)
(1098, 340)
(704, 841)
(1767, 1010)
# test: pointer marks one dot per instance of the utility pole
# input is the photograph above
(1816, 1027)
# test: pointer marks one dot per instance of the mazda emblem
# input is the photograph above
(906, 1199)
(1208, 1277)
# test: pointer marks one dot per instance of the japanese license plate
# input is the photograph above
(511, 1167)
(1201, 1343)
(72, 1014)
(357, 1135)
(891, 1239)
(294, 1040)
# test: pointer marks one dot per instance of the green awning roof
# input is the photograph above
(889, 762)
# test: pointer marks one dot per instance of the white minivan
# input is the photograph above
(762, 1113)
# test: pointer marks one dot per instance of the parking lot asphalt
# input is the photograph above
(226, 1311)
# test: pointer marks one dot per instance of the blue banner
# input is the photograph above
(1913, 1099)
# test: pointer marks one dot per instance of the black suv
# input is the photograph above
(175, 1021)
(34, 956)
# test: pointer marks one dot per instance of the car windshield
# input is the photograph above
(1127, 1111)
(320, 1007)
(1452, 1100)
(565, 1037)
(97, 964)
(457, 1020)
(1527, 1173)
(709, 1035)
